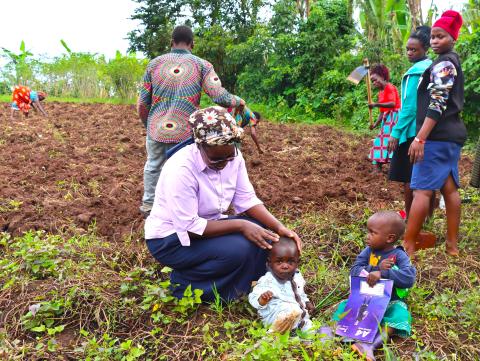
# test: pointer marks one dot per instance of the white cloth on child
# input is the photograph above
(283, 301)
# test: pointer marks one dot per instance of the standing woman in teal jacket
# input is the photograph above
(403, 133)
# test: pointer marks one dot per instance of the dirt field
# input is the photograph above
(83, 166)
(85, 163)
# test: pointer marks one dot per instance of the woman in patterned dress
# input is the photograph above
(389, 104)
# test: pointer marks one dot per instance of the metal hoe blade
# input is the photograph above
(358, 74)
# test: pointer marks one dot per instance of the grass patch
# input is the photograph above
(74, 295)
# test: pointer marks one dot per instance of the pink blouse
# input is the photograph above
(188, 194)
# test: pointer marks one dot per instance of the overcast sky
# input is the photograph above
(95, 26)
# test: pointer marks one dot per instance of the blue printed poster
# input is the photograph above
(365, 309)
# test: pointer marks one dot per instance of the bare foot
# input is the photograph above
(452, 248)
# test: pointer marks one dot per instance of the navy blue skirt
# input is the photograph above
(226, 263)
(439, 161)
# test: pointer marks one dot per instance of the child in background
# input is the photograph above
(389, 103)
(247, 118)
(279, 295)
(23, 97)
(382, 259)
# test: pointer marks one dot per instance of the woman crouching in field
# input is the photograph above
(187, 229)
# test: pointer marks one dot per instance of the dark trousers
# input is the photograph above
(228, 263)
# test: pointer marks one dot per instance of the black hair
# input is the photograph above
(258, 116)
(283, 242)
(394, 222)
(182, 34)
(422, 34)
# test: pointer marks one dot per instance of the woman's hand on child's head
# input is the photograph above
(373, 278)
(386, 264)
(265, 298)
(285, 232)
(258, 235)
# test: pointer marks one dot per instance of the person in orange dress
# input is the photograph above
(23, 99)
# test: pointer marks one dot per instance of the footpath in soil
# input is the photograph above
(84, 163)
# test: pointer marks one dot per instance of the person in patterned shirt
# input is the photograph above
(172, 86)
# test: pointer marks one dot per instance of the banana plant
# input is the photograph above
(390, 22)
(19, 62)
(471, 16)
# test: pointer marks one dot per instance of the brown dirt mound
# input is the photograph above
(85, 163)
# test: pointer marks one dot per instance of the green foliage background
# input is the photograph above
(291, 64)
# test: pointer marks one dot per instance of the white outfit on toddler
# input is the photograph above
(283, 302)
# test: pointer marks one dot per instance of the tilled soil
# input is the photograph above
(84, 164)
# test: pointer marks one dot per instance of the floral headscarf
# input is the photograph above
(21, 97)
(215, 126)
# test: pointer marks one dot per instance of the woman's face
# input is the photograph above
(415, 50)
(216, 157)
(441, 41)
(378, 81)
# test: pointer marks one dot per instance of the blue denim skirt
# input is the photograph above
(439, 161)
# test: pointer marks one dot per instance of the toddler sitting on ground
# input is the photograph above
(382, 259)
(279, 295)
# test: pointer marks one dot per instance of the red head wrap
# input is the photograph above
(450, 21)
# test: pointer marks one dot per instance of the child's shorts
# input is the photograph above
(396, 316)
(15, 106)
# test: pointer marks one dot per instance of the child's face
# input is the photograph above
(283, 261)
(441, 41)
(378, 236)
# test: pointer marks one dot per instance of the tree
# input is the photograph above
(158, 19)
(415, 8)
(19, 64)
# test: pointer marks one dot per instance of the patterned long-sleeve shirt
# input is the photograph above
(171, 91)
(440, 97)
(442, 78)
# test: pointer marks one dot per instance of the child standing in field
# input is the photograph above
(23, 98)
(279, 295)
(382, 259)
(245, 118)
(441, 134)
(388, 103)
